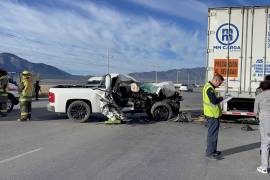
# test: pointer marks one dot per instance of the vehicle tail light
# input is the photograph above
(51, 97)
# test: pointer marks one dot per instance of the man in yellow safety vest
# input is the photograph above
(3, 92)
(25, 90)
(212, 112)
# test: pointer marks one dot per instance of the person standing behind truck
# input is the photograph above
(3, 92)
(25, 90)
(37, 89)
(212, 112)
(259, 90)
(267, 77)
(262, 110)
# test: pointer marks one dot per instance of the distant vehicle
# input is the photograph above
(186, 88)
(195, 85)
(95, 81)
(177, 85)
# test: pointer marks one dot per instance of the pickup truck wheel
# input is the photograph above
(10, 104)
(79, 111)
(161, 111)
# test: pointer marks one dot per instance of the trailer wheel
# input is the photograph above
(161, 111)
(79, 111)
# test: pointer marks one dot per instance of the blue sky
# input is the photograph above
(142, 35)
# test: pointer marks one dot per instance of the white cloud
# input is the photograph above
(77, 42)
(188, 9)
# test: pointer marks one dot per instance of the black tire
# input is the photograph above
(161, 111)
(79, 111)
(10, 103)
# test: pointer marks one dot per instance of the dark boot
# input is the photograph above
(29, 117)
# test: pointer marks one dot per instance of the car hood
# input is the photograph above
(166, 88)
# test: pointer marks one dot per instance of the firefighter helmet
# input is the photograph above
(26, 73)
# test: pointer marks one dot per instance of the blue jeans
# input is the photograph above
(265, 142)
(212, 136)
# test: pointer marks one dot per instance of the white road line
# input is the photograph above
(20, 155)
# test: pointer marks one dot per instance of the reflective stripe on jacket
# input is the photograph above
(209, 109)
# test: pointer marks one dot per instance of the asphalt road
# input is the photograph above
(192, 100)
(52, 147)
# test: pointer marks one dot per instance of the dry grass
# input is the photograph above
(45, 88)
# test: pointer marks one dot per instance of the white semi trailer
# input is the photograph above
(238, 47)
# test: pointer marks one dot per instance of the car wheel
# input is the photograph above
(10, 104)
(79, 111)
(161, 111)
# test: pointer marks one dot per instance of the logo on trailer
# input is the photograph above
(227, 34)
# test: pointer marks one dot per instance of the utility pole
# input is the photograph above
(156, 67)
(177, 80)
(156, 77)
(108, 59)
(188, 77)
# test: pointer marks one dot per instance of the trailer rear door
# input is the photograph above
(239, 48)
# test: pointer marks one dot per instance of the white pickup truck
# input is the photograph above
(80, 101)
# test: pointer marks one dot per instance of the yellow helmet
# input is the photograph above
(26, 73)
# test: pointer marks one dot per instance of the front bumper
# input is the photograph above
(50, 108)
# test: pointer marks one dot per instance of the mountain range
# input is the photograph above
(13, 63)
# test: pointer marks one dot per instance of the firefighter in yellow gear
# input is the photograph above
(3, 92)
(25, 91)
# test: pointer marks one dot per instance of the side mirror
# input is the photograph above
(108, 82)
